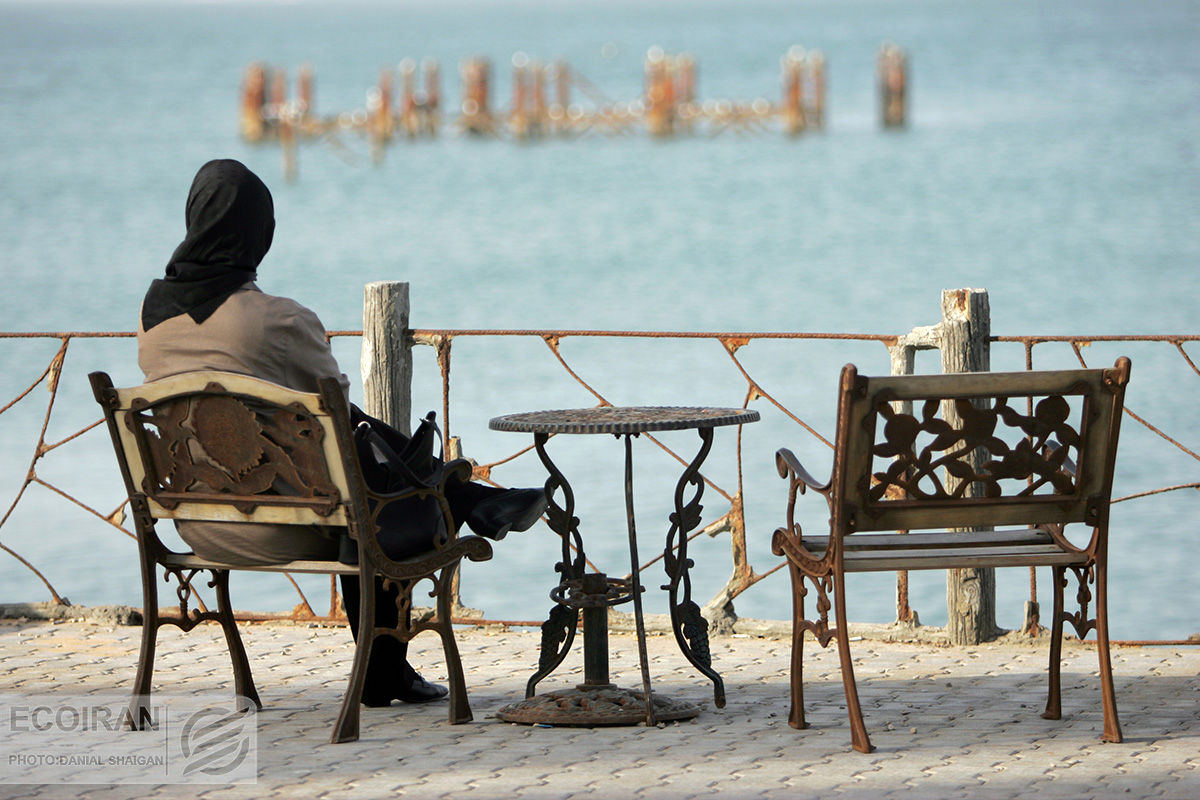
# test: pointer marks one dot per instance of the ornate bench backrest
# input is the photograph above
(1051, 464)
(220, 446)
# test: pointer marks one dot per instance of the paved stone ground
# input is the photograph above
(947, 722)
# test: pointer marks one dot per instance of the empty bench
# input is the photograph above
(1030, 451)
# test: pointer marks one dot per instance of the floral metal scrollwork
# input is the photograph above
(188, 617)
(1039, 459)
(558, 631)
(217, 443)
(690, 627)
(1086, 577)
(695, 629)
(819, 627)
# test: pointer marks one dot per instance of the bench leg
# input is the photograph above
(1054, 695)
(139, 703)
(858, 729)
(243, 681)
(460, 707)
(796, 714)
(1112, 725)
(346, 727)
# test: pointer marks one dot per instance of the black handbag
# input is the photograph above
(392, 462)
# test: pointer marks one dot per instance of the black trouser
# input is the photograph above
(388, 670)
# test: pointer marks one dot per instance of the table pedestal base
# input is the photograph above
(590, 706)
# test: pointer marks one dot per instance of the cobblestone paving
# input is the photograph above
(947, 722)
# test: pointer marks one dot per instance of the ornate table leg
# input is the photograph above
(691, 629)
(558, 631)
(596, 701)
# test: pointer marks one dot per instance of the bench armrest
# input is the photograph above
(790, 467)
(473, 548)
(446, 550)
(800, 480)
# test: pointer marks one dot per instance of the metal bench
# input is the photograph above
(1034, 450)
(222, 447)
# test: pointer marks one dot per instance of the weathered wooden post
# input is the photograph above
(254, 97)
(684, 91)
(893, 85)
(387, 354)
(560, 75)
(963, 337)
(379, 111)
(660, 94)
(408, 97)
(538, 96)
(816, 65)
(518, 118)
(793, 90)
(965, 334)
(285, 124)
(476, 113)
(279, 91)
(304, 91)
(433, 93)
(387, 369)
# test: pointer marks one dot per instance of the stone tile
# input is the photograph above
(946, 722)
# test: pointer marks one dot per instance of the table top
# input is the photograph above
(622, 419)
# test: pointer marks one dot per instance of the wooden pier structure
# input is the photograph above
(541, 104)
(551, 100)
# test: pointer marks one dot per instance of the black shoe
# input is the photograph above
(511, 510)
(422, 691)
(419, 691)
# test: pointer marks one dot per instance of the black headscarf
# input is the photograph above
(230, 222)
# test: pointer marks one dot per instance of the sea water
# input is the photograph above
(1050, 157)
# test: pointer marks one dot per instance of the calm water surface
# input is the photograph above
(1051, 158)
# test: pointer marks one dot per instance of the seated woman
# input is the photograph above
(208, 314)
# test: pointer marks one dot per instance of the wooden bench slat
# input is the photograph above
(917, 541)
(190, 561)
(960, 558)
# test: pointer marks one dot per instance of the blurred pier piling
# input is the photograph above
(893, 85)
(803, 104)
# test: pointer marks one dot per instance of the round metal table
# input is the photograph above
(597, 701)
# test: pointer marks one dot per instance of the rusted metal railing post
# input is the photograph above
(903, 356)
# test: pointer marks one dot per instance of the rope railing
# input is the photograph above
(744, 575)
(758, 388)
